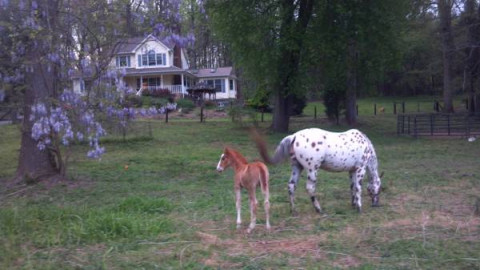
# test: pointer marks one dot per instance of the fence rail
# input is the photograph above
(438, 124)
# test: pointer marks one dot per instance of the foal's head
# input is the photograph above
(225, 160)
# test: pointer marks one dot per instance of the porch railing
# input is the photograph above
(174, 89)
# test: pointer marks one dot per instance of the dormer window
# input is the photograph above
(123, 61)
(152, 59)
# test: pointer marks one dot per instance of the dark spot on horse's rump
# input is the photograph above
(317, 149)
(313, 144)
(297, 144)
(310, 170)
(329, 146)
(308, 177)
(309, 163)
(308, 139)
(324, 136)
(301, 156)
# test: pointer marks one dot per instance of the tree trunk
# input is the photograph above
(351, 93)
(293, 28)
(281, 117)
(34, 164)
(472, 53)
(444, 10)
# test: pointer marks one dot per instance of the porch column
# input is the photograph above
(183, 86)
(161, 80)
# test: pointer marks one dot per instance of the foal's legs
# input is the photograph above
(238, 205)
(253, 209)
(311, 184)
(292, 183)
(266, 201)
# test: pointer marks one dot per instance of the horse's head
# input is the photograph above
(374, 190)
(225, 161)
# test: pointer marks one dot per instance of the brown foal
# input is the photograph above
(248, 176)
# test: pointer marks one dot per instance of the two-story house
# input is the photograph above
(149, 63)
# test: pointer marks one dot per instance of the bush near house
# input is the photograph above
(187, 105)
(158, 93)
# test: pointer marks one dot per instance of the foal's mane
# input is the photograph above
(236, 155)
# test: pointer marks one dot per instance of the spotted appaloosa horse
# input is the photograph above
(248, 176)
(312, 149)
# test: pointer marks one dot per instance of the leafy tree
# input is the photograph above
(448, 50)
(266, 39)
(356, 44)
(47, 41)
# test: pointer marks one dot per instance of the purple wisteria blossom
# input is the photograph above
(69, 120)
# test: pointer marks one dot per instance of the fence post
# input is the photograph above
(375, 109)
(315, 112)
(431, 124)
(415, 131)
(201, 114)
(400, 125)
(448, 124)
(403, 106)
(166, 116)
(394, 107)
(408, 125)
(356, 107)
(263, 110)
(418, 106)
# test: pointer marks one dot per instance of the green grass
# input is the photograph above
(170, 209)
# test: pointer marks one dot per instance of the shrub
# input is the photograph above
(158, 93)
(186, 104)
(209, 104)
(334, 100)
(133, 101)
(298, 104)
(260, 101)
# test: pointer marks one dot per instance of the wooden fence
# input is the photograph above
(436, 124)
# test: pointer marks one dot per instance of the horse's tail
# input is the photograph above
(282, 151)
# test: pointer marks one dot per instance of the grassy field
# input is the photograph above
(156, 202)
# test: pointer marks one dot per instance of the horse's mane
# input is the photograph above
(236, 155)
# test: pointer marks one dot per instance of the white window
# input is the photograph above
(123, 61)
(219, 85)
(152, 59)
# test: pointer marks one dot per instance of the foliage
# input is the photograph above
(260, 101)
(187, 105)
(298, 105)
(334, 103)
(157, 93)
(267, 40)
(133, 101)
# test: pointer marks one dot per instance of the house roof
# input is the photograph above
(214, 72)
(129, 45)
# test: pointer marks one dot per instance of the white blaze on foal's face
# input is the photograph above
(219, 165)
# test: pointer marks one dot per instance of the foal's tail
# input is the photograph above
(281, 153)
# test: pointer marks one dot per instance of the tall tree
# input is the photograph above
(40, 81)
(471, 20)
(356, 43)
(448, 46)
(267, 38)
